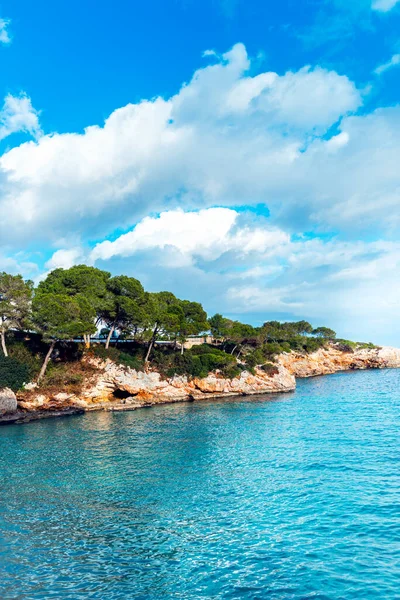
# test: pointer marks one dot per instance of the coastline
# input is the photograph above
(117, 388)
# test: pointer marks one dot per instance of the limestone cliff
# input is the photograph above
(332, 359)
(114, 387)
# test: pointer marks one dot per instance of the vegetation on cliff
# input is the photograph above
(46, 330)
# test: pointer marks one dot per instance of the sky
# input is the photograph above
(242, 153)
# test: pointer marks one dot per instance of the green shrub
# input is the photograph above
(204, 349)
(285, 347)
(270, 369)
(271, 350)
(255, 358)
(367, 346)
(313, 344)
(196, 362)
(345, 346)
(24, 355)
(134, 361)
(13, 373)
(349, 343)
(349, 346)
(100, 351)
(232, 371)
(62, 376)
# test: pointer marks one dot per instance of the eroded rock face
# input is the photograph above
(151, 388)
(8, 401)
(390, 357)
(330, 360)
(114, 387)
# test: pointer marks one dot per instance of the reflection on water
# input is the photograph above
(293, 496)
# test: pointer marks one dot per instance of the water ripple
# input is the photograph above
(288, 497)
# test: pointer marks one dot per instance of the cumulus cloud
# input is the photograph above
(206, 234)
(393, 62)
(64, 259)
(4, 34)
(384, 5)
(226, 138)
(18, 115)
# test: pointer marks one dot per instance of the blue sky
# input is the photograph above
(243, 153)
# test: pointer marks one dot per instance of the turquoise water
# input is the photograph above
(285, 497)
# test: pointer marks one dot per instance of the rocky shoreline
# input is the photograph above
(116, 388)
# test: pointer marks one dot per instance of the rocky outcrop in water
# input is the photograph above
(8, 402)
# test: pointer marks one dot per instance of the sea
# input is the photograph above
(291, 496)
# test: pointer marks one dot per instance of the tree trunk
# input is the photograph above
(86, 339)
(151, 344)
(234, 349)
(182, 348)
(112, 329)
(46, 361)
(3, 343)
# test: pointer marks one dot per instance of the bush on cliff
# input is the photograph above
(197, 362)
(270, 369)
(13, 374)
(255, 358)
(349, 346)
(24, 355)
(313, 344)
(271, 349)
(134, 361)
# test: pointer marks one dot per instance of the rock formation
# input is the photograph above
(331, 359)
(8, 402)
(115, 387)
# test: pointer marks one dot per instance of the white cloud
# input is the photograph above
(4, 35)
(65, 258)
(206, 234)
(384, 5)
(18, 115)
(346, 284)
(249, 269)
(209, 53)
(226, 138)
(311, 98)
(393, 62)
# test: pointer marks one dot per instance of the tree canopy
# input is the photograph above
(125, 305)
(15, 304)
(73, 304)
(88, 286)
(324, 332)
